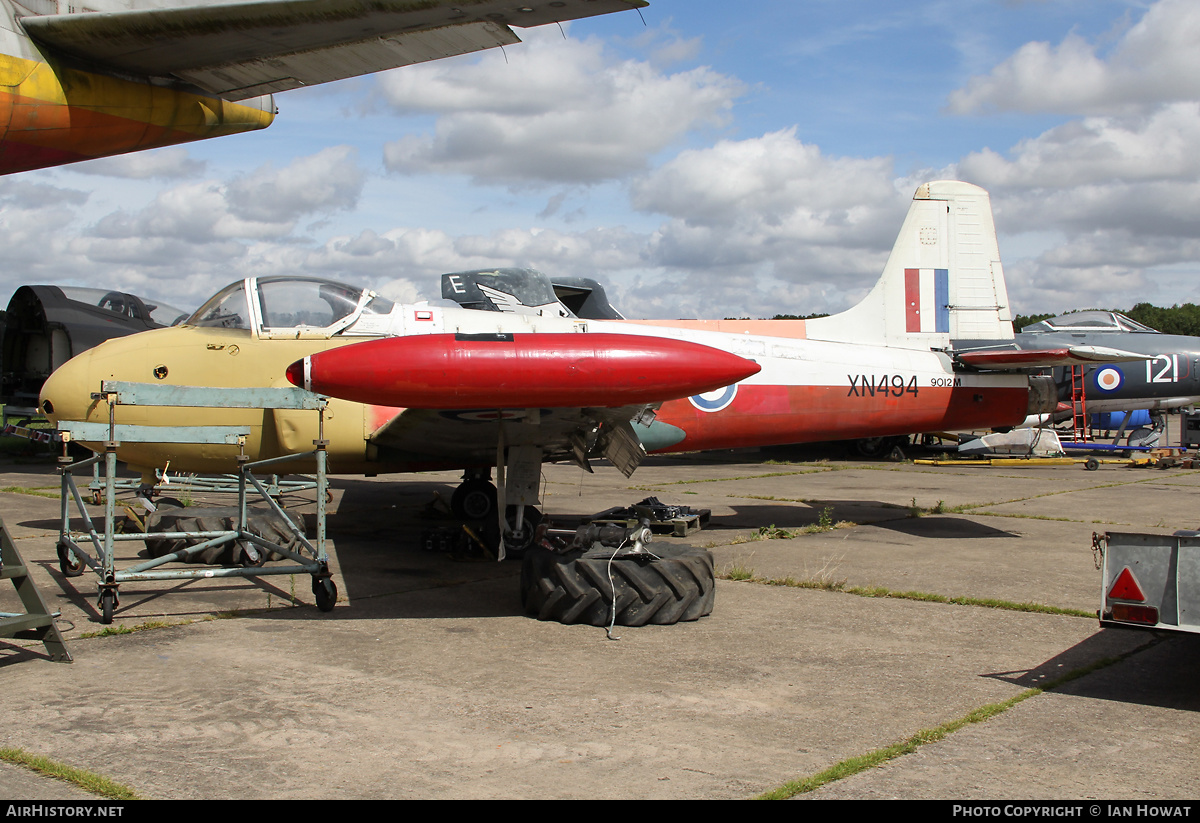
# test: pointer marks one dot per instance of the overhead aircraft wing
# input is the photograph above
(243, 50)
(1012, 358)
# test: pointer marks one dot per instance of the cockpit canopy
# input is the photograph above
(1086, 321)
(285, 306)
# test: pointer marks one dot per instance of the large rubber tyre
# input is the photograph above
(574, 587)
(264, 523)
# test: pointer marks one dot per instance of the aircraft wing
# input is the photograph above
(1012, 358)
(243, 50)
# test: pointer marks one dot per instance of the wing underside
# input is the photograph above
(243, 50)
(474, 435)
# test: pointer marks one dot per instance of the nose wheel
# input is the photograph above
(520, 536)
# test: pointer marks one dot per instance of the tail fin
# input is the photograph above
(943, 280)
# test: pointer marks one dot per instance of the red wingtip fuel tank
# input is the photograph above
(456, 371)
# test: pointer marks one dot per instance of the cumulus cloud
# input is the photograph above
(772, 219)
(266, 203)
(1155, 61)
(556, 111)
(32, 218)
(1117, 195)
(163, 164)
(1113, 195)
(329, 180)
(18, 193)
(189, 240)
(1159, 146)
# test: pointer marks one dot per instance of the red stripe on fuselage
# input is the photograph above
(775, 415)
(912, 300)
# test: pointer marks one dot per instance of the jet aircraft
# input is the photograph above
(108, 77)
(1168, 376)
(1168, 379)
(421, 387)
(45, 326)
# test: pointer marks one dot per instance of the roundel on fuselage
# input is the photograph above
(713, 401)
(1109, 379)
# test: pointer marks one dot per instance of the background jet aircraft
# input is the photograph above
(1169, 377)
(45, 326)
(883, 367)
(528, 291)
(116, 76)
(1166, 377)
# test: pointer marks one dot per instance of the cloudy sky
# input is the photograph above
(718, 159)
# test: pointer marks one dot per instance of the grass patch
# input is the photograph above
(772, 532)
(112, 631)
(36, 491)
(824, 581)
(736, 571)
(88, 781)
(861, 763)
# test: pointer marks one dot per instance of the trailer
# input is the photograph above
(1150, 581)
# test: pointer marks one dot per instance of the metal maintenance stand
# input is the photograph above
(73, 557)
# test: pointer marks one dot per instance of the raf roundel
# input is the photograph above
(1109, 379)
(714, 401)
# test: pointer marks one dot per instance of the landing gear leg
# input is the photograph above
(519, 472)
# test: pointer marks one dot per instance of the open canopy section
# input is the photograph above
(285, 306)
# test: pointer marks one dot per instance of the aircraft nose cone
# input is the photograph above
(65, 395)
(50, 390)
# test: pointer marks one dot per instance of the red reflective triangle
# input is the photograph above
(1126, 587)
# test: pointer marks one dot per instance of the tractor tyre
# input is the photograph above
(673, 584)
(261, 522)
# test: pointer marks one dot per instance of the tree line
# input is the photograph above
(1178, 319)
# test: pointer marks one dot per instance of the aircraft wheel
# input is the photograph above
(474, 500)
(878, 447)
(516, 543)
(326, 593)
(68, 563)
(1140, 436)
(674, 584)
